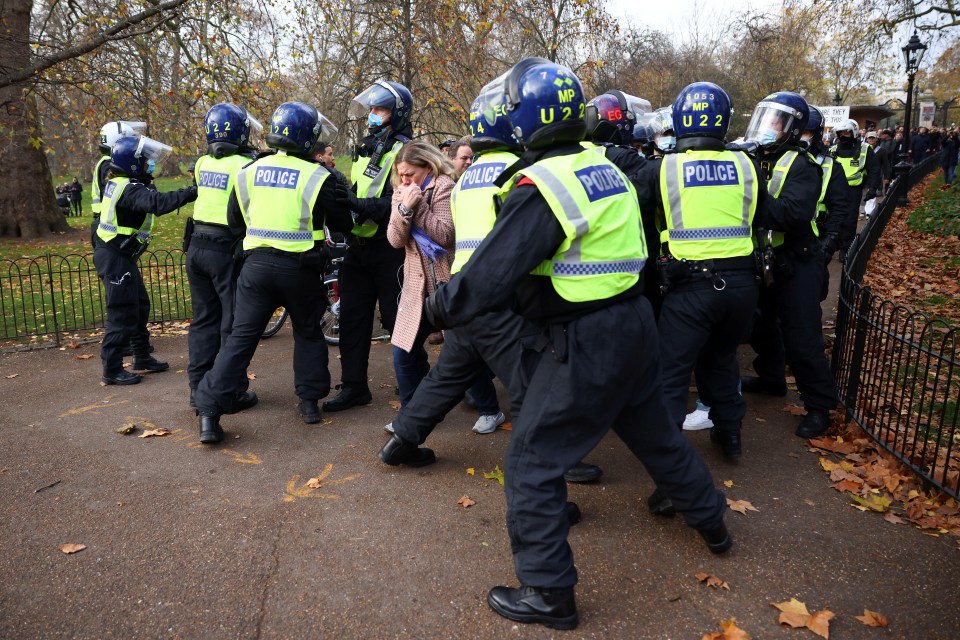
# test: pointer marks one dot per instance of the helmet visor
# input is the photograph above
(492, 101)
(153, 150)
(255, 126)
(379, 94)
(636, 106)
(771, 123)
(328, 131)
(130, 128)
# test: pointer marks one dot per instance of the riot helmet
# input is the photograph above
(702, 109)
(611, 116)
(778, 119)
(296, 127)
(113, 131)
(813, 134)
(132, 155)
(490, 126)
(389, 95)
(665, 136)
(226, 122)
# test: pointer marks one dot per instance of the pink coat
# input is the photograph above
(435, 219)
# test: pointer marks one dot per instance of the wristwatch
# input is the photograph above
(406, 213)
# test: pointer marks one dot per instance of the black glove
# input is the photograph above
(829, 245)
(347, 198)
(432, 310)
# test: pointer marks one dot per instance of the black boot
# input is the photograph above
(729, 442)
(583, 472)
(243, 401)
(660, 504)
(349, 396)
(717, 538)
(193, 398)
(210, 431)
(397, 452)
(814, 424)
(149, 363)
(309, 411)
(554, 608)
(121, 377)
(573, 512)
(753, 384)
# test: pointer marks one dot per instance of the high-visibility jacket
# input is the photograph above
(826, 165)
(95, 196)
(109, 228)
(604, 251)
(370, 181)
(216, 178)
(709, 200)
(854, 168)
(775, 185)
(471, 203)
(276, 196)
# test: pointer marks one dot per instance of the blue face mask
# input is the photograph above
(374, 120)
(667, 143)
(151, 165)
(767, 137)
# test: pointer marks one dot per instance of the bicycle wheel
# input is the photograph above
(276, 322)
(331, 317)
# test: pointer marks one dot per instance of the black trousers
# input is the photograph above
(580, 384)
(848, 230)
(269, 280)
(212, 273)
(700, 329)
(493, 340)
(789, 331)
(127, 305)
(371, 273)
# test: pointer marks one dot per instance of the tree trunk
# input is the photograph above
(28, 208)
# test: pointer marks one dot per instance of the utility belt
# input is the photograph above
(779, 261)
(208, 236)
(129, 246)
(675, 272)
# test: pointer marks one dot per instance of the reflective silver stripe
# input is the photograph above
(746, 169)
(306, 210)
(776, 180)
(567, 204)
(377, 183)
(671, 164)
(243, 195)
(95, 200)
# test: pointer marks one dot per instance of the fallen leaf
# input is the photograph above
(837, 445)
(395, 404)
(11, 376)
(251, 375)
(847, 485)
(880, 504)
(730, 632)
(794, 410)
(470, 471)
(84, 356)
(154, 432)
(506, 426)
(873, 619)
(712, 581)
(465, 502)
(496, 474)
(892, 518)
(819, 622)
(760, 419)
(73, 345)
(728, 483)
(127, 429)
(792, 612)
(314, 483)
(72, 548)
(741, 506)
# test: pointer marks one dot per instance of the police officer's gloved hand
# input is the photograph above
(830, 244)
(432, 310)
(344, 196)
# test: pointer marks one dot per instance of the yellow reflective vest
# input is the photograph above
(471, 203)
(370, 181)
(775, 185)
(604, 250)
(276, 196)
(95, 196)
(709, 200)
(854, 168)
(215, 181)
(109, 228)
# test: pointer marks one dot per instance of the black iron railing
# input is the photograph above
(47, 300)
(898, 372)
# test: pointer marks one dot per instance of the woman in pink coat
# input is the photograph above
(421, 223)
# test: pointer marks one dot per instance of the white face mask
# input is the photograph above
(767, 137)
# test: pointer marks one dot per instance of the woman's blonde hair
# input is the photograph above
(422, 154)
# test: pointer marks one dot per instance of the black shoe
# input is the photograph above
(729, 442)
(753, 384)
(249, 399)
(397, 452)
(308, 410)
(123, 377)
(583, 472)
(193, 398)
(149, 364)
(128, 350)
(814, 424)
(573, 512)
(717, 538)
(660, 504)
(348, 397)
(554, 608)
(210, 431)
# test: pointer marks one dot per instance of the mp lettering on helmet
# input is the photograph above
(481, 175)
(601, 182)
(710, 173)
(213, 180)
(276, 177)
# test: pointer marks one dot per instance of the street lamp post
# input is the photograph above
(912, 57)
(837, 99)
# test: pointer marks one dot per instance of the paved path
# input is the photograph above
(187, 541)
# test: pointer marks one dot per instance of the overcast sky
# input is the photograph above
(675, 16)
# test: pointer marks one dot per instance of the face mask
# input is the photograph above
(767, 137)
(374, 120)
(806, 138)
(667, 143)
(151, 165)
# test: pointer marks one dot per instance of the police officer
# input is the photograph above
(210, 244)
(789, 329)
(372, 269)
(109, 134)
(568, 249)
(643, 135)
(129, 204)
(665, 136)
(281, 203)
(836, 195)
(710, 197)
(862, 170)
